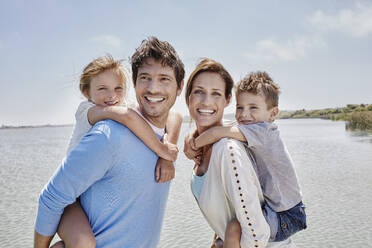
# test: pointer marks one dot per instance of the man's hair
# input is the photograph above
(98, 66)
(260, 83)
(209, 65)
(161, 51)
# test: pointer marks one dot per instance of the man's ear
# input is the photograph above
(274, 113)
(228, 100)
(179, 90)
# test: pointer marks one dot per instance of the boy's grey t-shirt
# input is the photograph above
(275, 168)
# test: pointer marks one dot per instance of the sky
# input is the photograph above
(319, 51)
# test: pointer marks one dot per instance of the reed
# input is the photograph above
(360, 120)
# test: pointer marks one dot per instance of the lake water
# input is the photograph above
(334, 167)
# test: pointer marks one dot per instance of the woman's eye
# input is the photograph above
(239, 108)
(197, 92)
(216, 94)
(254, 107)
(119, 88)
(102, 88)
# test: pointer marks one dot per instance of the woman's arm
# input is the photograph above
(214, 134)
(137, 125)
(243, 189)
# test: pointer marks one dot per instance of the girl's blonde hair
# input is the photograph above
(100, 65)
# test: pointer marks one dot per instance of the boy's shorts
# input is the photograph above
(285, 224)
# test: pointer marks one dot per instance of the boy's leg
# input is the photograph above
(232, 234)
(74, 228)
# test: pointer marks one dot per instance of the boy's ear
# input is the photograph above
(274, 113)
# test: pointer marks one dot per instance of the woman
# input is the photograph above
(224, 183)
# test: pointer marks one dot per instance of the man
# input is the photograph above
(112, 170)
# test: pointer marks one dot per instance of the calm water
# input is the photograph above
(334, 167)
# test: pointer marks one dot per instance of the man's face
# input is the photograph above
(156, 91)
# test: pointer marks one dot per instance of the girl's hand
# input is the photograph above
(164, 171)
(170, 150)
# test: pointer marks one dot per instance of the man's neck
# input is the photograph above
(158, 122)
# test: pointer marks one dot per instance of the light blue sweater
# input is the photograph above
(113, 173)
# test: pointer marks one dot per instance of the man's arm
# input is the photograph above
(84, 165)
(214, 134)
(137, 125)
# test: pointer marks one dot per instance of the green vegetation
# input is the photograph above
(357, 116)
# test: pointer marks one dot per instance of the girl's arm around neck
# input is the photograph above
(214, 134)
(137, 125)
(173, 126)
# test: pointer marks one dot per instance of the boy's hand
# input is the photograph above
(164, 171)
(190, 151)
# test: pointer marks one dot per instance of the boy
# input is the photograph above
(256, 109)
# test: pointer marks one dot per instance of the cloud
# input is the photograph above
(291, 50)
(108, 40)
(356, 22)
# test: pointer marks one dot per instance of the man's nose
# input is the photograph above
(153, 86)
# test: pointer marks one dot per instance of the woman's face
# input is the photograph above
(207, 100)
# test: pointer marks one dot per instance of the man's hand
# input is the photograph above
(164, 171)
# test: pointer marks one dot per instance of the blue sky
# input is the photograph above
(319, 52)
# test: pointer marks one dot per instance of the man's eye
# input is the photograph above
(119, 88)
(254, 107)
(102, 88)
(239, 108)
(216, 94)
(164, 79)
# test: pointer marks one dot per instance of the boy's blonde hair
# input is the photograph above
(260, 83)
(98, 66)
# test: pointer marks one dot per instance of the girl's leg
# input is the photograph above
(232, 234)
(74, 228)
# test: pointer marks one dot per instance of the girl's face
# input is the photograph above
(106, 89)
(207, 100)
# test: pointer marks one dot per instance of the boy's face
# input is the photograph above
(106, 89)
(156, 90)
(251, 108)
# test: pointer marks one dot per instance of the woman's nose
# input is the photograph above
(207, 99)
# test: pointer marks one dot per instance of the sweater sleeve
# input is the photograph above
(242, 188)
(85, 165)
